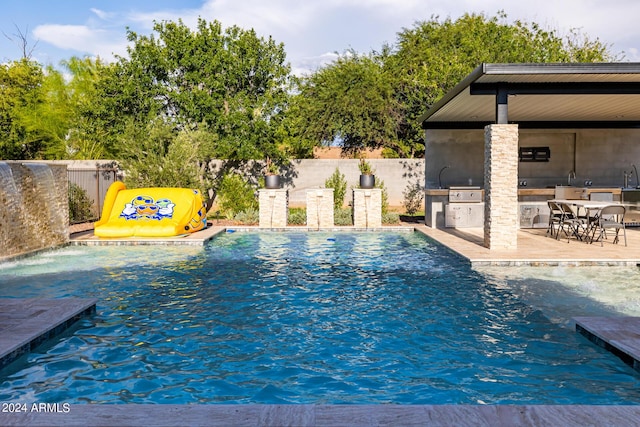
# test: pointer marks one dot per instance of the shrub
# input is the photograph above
(80, 205)
(384, 196)
(248, 217)
(343, 216)
(236, 195)
(338, 182)
(297, 216)
(365, 167)
(390, 218)
(413, 196)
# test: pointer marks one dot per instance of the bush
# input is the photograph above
(297, 216)
(338, 182)
(80, 205)
(413, 196)
(384, 196)
(390, 218)
(236, 195)
(248, 217)
(343, 216)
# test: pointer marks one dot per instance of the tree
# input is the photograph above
(375, 100)
(88, 127)
(43, 113)
(230, 81)
(351, 102)
(20, 91)
(157, 156)
(183, 97)
(434, 56)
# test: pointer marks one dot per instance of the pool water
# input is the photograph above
(307, 318)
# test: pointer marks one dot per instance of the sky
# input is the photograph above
(314, 32)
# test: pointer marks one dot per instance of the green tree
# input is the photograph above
(433, 56)
(20, 90)
(88, 135)
(375, 100)
(43, 111)
(155, 155)
(230, 81)
(351, 102)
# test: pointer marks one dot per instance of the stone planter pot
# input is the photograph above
(367, 181)
(272, 182)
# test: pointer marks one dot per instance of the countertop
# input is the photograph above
(523, 191)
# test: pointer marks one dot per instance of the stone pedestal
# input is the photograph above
(274, 208)
(367, 208)
(320, 208)
(501, 186)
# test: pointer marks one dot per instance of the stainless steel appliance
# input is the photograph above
(465, 207)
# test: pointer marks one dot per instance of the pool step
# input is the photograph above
(27, 323)
(619, 335)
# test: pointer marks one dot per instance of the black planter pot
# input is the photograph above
(367, 181)
(272, 182)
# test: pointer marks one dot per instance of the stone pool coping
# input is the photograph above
(26, 323)
(324, 415)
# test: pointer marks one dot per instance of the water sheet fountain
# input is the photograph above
(34, 207)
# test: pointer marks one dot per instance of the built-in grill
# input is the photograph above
(465, 195)
(465, 207)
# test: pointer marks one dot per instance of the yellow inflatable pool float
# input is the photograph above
(150, 212)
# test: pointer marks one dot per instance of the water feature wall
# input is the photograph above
(34, 207)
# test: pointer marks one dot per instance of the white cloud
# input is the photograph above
(102, 14)
(83, 39)
(309, 29)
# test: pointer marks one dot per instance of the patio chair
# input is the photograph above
(570, 224)
(611, 217)
(555, 218)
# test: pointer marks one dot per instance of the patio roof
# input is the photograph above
(573, 95)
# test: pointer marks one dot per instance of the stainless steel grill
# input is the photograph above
(465, 195)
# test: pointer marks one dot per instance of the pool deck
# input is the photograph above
(619, 335)
(27, 323)
(327, 415)
(537, 249)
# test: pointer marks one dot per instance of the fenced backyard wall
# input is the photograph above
(397, 175)
(308, 174)
(89, 180)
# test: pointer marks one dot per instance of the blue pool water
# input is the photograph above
(303, 318)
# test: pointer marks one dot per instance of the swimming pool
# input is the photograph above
(307, 318)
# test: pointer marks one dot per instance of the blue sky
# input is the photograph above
(313, 31)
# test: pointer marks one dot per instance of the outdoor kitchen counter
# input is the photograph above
(436, 192)
(530, 201)
(550, 192)
(544, 194)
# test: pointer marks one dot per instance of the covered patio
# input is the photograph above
(520, 133)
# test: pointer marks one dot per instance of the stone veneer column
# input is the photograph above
(320, 208)
(367, 208)
(274, 208)
(501, 186)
